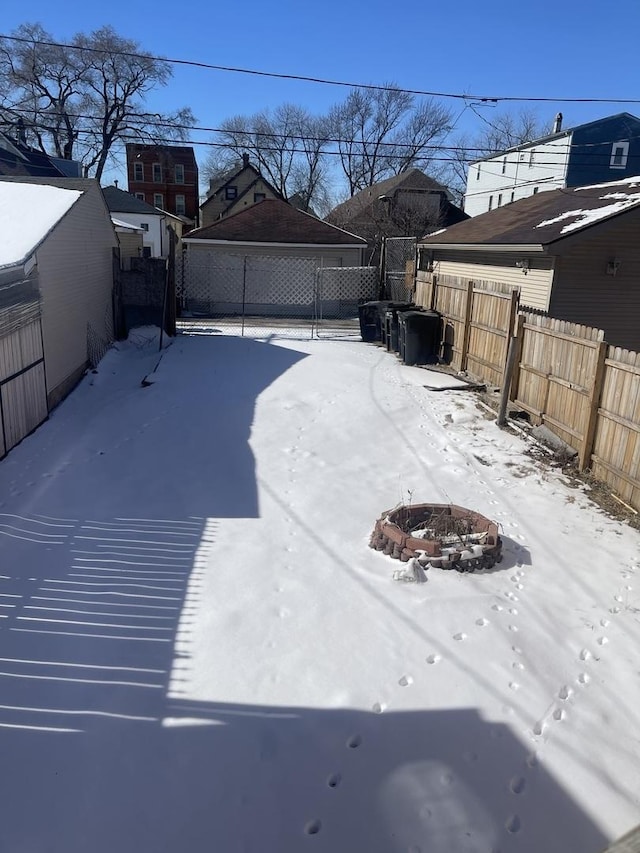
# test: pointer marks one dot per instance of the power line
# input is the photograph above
(252, 135)
(321, 80)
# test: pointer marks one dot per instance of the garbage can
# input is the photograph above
(391, 337)
(419, 336)
(369, 315)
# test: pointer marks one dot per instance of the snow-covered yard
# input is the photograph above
(199, 652)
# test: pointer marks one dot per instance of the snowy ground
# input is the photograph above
(199, 652)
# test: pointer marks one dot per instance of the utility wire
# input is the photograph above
(321, 80)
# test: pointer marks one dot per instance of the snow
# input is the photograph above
(589, 216)
(27, 213)
(434, 233)
(200, 652)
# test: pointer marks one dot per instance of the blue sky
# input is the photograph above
(545, 49)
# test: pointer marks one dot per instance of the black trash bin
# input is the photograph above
(419, 336)
(391, 332)
(370, 328)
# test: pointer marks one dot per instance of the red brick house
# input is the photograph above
(165, 176)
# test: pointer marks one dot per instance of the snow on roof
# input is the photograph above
(580, 217)
(28, 212)
(120, 223)
(433, 233)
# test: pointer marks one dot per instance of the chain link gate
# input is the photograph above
(259, 295)
(340, 292)
(397, 252)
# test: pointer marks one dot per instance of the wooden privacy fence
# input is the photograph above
(566, 376)
(478, 321)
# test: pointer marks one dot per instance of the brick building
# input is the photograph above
(165, 176)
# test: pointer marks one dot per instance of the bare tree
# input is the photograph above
(81, 102)
(382, 132)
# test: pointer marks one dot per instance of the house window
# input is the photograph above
(140, 196)
(499, 199)
(138, 171)
(231, 193)
(144, 226)
(259, 196)
(157, 173)
(158, 200)
(490, 202)
(180, 205)
(179, 173)
(619, 155)
(504, 165)
(532, 158)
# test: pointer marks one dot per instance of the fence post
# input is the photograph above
(595, 393)
(434, 286)
(467, 326)
(244, 290)
(519, 333)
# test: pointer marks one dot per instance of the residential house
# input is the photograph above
(166, 177)
(604, 150)
(58, 235)
(572, 253)
(405, 205)
(155, 223)
(234, 191)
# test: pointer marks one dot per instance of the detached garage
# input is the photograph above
(262, 261)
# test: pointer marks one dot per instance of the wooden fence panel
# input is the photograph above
(556, 377)
(425, 284)
(616, 449)
(491, 323)
(451, 300)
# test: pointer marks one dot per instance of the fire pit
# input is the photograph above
(440, 535)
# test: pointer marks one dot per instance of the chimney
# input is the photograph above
(115, 183)
(245, 160)
(557, 124)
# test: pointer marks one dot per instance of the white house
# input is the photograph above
(593, 153)
(154, 222)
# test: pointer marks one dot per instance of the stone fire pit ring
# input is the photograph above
(444, 536)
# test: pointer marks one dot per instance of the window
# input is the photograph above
(504, 165)
(532, 158)
(619, 155)
(513, 195)
(490, 202)
(231, 193)
(478, 173)
(140, 196)
(180, 205)
(259, 196)
(158, 200)
(138, 171)
(499, 199)
(157, 173)
(178, 172)
(144, 226)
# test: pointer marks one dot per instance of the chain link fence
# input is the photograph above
(340, 292)
(398, 251)
(259, 295)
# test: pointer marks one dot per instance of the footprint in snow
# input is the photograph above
(460, 636)
(354, 741)
(405, 681)
(334, 780)
(565, 692)
(434, 659)
(513, 824)
(482, 622)
(517, 785)
(313, 827)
